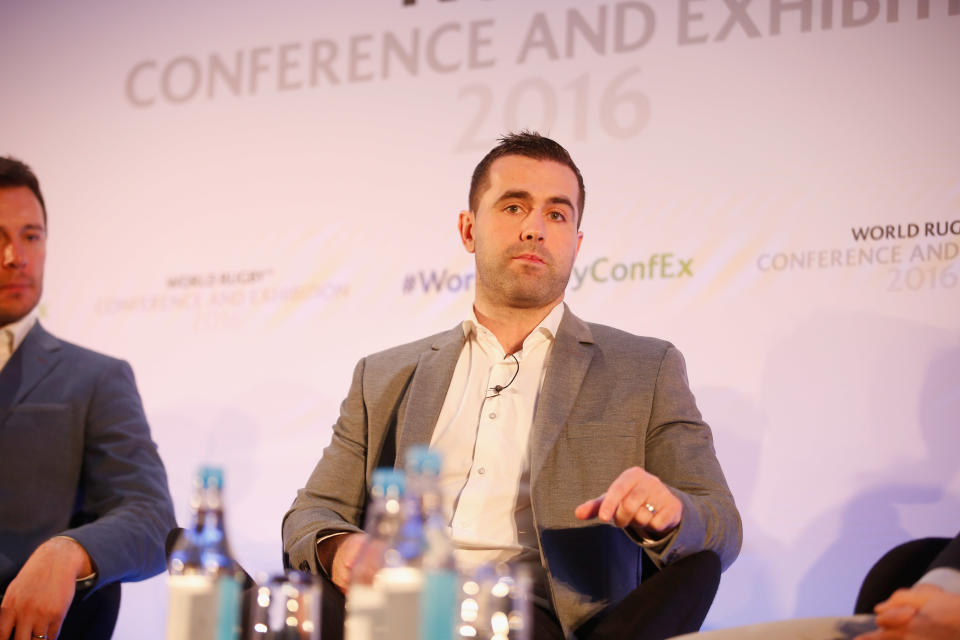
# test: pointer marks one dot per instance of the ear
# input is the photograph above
(579, 242)
(466, 224)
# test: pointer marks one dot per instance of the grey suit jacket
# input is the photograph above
(77, 460)
(610, 400)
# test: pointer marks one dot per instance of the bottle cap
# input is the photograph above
(422, 460)
(388, 481)
(211, 477)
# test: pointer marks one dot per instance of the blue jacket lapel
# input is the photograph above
(33, 360)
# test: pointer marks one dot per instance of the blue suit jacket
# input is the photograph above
(76, 459)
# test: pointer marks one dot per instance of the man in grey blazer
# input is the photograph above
(83, 494)
(582, 440)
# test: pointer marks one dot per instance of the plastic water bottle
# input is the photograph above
(386, 581)
(204, 585)
(438, 602)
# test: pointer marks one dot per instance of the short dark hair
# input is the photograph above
(529, 144)
(14, 173)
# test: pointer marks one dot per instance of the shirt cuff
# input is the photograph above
(87, 581)
(944, 577)
(321, 539)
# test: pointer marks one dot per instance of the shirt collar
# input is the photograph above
(21, 328)
(547, 327)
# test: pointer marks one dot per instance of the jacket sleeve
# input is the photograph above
(335, 494)
(125, 511)
(679, 451)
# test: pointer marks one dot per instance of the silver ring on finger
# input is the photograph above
(649, 507)
(39, 636)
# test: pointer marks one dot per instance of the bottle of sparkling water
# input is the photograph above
(438, 601)
(204, 580)
(386, 581)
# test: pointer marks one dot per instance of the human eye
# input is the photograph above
(558, 216)
(513, 208)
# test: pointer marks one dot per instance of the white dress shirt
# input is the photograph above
(12, 335)
(484, 438)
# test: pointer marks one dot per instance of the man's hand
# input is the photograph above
(37, 600)
(923, 612)
(338, 555)
(628, 503)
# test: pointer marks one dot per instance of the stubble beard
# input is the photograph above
(14, 307)
(517, 285)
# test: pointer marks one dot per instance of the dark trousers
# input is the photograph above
(668, 602)
(93, 617)
(672, 601)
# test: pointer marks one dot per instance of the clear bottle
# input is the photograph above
(438, 601)
(204, 581)
(386, 581)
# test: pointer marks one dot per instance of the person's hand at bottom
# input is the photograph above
(37, 600)
(923, 612)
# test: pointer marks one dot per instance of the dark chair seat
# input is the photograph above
(899, 568)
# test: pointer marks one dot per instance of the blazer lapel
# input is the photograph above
(566, 367)
(418, 416)
(36, 357)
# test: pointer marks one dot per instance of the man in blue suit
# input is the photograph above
(83, 494)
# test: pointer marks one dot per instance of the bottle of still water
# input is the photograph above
(204, 580)
(438, 600)
(386, 581)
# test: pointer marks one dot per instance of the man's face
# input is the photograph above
(524, 232)
(23, 248)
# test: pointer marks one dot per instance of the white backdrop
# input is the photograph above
(247, 197)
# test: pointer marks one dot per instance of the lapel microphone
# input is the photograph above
(500, 387)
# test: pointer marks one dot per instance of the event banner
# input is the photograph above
(246, 198)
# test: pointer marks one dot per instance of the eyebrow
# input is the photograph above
(514, 195)
(525, 195)
(562, 200)
(27, 227)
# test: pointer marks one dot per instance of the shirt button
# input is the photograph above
(481, 471)
(493, 416)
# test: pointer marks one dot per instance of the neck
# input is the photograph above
(511, 325)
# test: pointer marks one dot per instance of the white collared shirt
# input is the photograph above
(484, 438)
(14, 334)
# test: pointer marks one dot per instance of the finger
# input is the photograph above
(666, 518)
(618, 490)
(53, 631)
(896, 616)
(633, 509)
(7, 618)
(24, 629)
(629, 512)
(586, 510)
(668, 510)
(902, 597)
(654, 510)
(32, 635)
(880, 634)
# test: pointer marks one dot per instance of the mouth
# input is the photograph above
(16, 286)
(530, 258)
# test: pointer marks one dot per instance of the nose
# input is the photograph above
(532, 229)
(12, 256)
